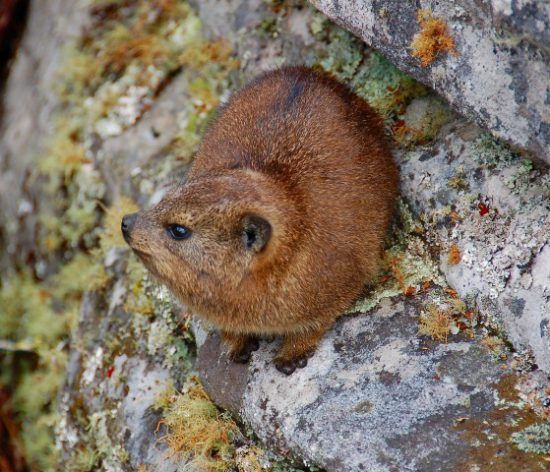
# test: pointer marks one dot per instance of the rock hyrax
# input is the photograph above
(282, 219)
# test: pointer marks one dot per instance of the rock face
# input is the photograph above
(376, 397)
(492, 208)
(121, 421)
(26, 119)
(499, 74)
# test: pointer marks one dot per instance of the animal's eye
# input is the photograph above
(178, 232)
(250, 238)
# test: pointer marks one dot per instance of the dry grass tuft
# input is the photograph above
(436, 322)
(197, 429)
(432, 40)
(495, 345)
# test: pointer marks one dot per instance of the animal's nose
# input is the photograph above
(127, 224)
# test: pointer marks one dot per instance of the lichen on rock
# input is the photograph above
(418, 373)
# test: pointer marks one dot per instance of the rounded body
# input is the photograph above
(324, 148)
(282, 220)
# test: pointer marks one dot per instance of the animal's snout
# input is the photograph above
(127, 224)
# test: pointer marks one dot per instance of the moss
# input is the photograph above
(64, 154)
(110, 236)
(386, 88)
(84, 460)
(27, 311)
(39, 315)
(109, 78)
(82, 273)
(432, 40)
(436, 323)
(371, 75)
(102, 445)
(197, 430)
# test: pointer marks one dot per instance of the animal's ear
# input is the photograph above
(256, 232)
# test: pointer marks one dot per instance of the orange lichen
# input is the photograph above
(397, 273)
(410, 291)
(489, 437)
(454, 256)
(455, 216)
(451, 292)
(432, 40)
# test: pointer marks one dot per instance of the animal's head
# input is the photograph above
(206, 238)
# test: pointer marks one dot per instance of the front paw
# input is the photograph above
(241, 355)
(287, 366)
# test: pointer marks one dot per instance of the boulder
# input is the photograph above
(495, 71)
(377, 397)
(491, 209)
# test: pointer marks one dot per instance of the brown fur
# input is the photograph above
(299, 150)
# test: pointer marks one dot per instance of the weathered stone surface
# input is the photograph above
(505, 271)
(499, 78)
(375, 397)
(124, 159)
(27, 106)
(121, 422)
(495, 209)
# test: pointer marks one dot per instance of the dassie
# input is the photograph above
(282, 219)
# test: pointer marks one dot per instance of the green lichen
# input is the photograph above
(386, 88)
(109, 78)
(407, 264)
(84, 460)
(421, 122)
(492, 153)
(343, 54)
(534, 438)
(101, 447)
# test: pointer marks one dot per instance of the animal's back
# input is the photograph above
(291, 119)
(323, 144)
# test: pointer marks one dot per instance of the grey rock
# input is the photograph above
(504, 268)
(118, 393)
(375, 396)
(28, 102)
(499, 77)
(136, 150)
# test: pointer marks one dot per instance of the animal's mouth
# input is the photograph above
(144, 256)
